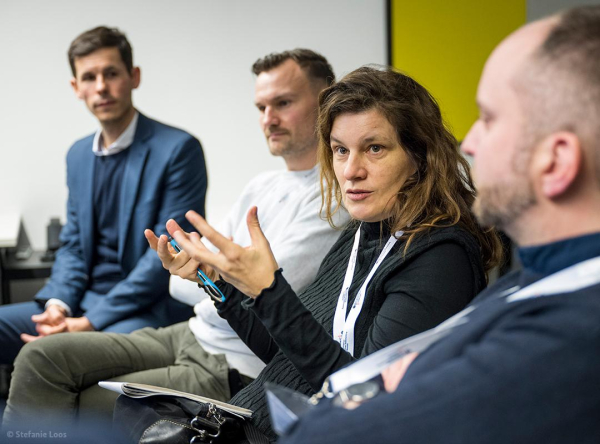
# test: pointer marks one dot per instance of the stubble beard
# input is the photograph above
(292, 148)
(504, 204)
(281, 147)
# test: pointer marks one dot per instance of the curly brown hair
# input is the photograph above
(441, 191)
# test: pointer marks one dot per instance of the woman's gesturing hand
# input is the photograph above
(250, 269)
(178, 264)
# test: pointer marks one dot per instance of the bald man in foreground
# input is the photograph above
(525, 366)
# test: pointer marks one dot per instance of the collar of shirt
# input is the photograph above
(374, 230)
(550, 258)
(123, 142)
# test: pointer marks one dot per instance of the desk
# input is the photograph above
(13, 269)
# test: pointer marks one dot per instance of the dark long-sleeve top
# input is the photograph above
(412, 291)
(520, 372)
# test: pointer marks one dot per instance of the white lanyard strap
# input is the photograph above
(579, 276)
(343, 327)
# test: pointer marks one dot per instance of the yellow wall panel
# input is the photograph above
(443, 44)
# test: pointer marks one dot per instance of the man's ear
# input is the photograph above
(562, 163)
(75, 87)
(136, 75)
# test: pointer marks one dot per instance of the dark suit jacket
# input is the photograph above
(520, 372)
(165, 176)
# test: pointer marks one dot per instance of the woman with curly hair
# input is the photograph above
(413, 256)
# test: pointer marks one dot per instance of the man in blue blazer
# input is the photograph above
(134, 173)
(524, 365)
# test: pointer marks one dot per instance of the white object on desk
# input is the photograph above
(9, 229)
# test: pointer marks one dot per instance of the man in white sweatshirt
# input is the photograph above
(203, 355)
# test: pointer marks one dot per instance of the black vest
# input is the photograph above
(322, 295)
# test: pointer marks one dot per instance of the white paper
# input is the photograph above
(144, 391)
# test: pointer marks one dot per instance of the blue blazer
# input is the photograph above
(520, 372)
(165, 176)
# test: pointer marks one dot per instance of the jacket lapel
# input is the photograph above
(86, 212)
(138, 153)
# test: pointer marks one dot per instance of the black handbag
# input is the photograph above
(167, 419)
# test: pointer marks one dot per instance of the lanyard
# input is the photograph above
(343, 327)
(571, 279)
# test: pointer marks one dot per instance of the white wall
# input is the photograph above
(195, 57)
(537, 9)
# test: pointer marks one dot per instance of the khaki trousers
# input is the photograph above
(57, 376)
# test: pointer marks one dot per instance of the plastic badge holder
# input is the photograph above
(286, 407)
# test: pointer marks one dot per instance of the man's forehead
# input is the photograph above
(101, 57)
(285, 79)
(509, 56)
